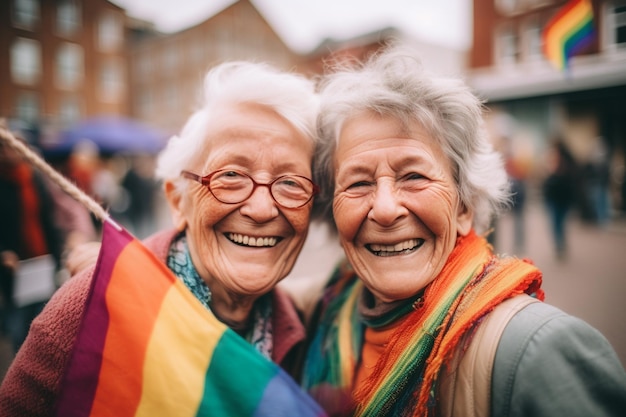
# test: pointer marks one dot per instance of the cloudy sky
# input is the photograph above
(302, 24)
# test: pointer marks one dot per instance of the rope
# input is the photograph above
(55, 176)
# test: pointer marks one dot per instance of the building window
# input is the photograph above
(613, 35)
(68, 19)
(532, 41)
(619, 11)
(69, 111)
(69, 66)
(536, 4)
(145, 104)
(143, 66)
(27, 107)
(111, 83)
(25, 61)
(171, 97)
(170, 58)
(507, 49)
(25, 13)
(223, 43)
(110, 31)
(196, 51)
(508, 7)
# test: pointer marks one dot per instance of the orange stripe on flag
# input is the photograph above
(567, 21)
(135, 319)
(183, 327)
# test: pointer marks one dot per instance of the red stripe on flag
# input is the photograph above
(570, 26)
(134, 309)
(120, 316)
(79, 386)
(563, 11)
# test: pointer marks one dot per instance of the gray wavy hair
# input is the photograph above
(394, 83)
(291, 95)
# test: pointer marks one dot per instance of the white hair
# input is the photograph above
(394, 83)
(291, 95)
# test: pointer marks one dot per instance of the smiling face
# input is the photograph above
(396, 205)
(245, 249)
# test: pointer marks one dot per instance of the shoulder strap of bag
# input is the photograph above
(465, 386)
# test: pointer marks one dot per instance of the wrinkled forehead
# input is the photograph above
(241, 134)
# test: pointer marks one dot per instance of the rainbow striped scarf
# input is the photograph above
(470, 285)
(147, 347)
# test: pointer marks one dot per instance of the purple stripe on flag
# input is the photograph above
(79, 385)
(284, 398)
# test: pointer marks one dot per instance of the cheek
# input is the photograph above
(205, 212)
(436, 209)
(299, 219)
(349, 215)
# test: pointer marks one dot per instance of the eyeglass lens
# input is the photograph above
(235, 187)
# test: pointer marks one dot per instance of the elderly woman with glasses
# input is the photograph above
(238, 182)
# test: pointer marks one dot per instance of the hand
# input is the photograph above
(9, 260)
(81, 257)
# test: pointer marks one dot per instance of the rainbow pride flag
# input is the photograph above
(568, 32)
(147, 347)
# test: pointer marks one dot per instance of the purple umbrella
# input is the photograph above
(111, 134)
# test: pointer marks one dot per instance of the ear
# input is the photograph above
(464, 219)
(176, 203)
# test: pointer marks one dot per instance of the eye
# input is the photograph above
(230, 174)
(360, 188)
(291, 184)
(230, 180)
(359, 184)
(412, 181)
(413, 176)
(288, 182)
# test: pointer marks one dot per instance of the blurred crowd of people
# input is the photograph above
(122, 184)
(565, 184)
(38, 220)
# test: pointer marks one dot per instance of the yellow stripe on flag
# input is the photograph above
(133, 308)
(556, 35)
(186, 327)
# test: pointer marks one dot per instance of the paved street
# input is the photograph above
(589, 284)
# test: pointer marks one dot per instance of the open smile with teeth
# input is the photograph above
(258, 242)
(400, 248)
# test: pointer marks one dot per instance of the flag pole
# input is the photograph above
(65, 184)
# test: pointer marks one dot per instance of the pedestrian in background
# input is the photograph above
(27, 231)
(517, 162)
(597, 178)
(559, 191)
(142, 189)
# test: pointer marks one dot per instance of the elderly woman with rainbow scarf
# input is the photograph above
(423, 318)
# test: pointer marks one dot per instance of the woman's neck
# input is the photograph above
(234, 310)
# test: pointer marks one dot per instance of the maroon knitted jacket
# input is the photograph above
(32, 383)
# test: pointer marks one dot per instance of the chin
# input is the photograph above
(401, 288)
(251, 281)
(390, 296)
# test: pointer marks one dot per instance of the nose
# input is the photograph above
(260, 206)
(387, 206)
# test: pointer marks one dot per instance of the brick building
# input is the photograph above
(65, 60)
(62, 60)
(530, 101)
(167, 70)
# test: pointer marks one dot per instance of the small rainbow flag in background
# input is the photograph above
(147, 347)
(568, 31)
